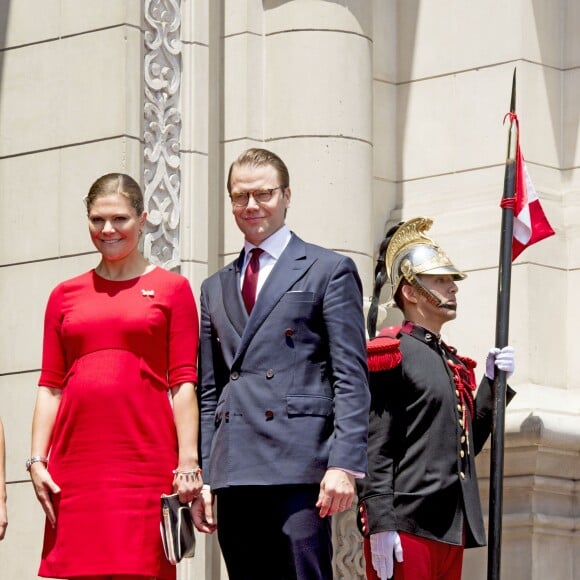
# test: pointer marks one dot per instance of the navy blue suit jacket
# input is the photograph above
(284, 392)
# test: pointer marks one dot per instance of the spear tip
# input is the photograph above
(513, 100)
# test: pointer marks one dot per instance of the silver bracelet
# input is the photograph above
(193, 473)
(35, 459)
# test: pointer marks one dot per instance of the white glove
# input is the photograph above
(503, 359)
(383, 546)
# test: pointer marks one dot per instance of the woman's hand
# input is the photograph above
(187, 483)
(45, 410)
(3, 518)
(44, 488)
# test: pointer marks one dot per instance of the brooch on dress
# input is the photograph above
(150, 293)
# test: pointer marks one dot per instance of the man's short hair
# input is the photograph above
(257, 157)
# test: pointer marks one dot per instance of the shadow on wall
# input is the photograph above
(357, 9)
(533, 427)
(4, 11)
(561, 63)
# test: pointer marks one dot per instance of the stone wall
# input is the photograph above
(383, 110)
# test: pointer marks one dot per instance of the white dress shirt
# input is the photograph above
(273, 247)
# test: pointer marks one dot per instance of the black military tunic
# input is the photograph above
(425, 429)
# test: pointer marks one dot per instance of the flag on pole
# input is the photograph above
(530, 222)
(523, 223)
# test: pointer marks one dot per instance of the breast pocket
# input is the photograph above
(298, 296)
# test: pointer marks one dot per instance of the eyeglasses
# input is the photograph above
(241, 199)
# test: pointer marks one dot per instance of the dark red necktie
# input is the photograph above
(251, 279)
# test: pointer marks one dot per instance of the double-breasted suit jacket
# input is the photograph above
(284, 391)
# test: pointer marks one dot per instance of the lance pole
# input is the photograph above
(501, 340)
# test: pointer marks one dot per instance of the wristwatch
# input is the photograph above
(35, 459)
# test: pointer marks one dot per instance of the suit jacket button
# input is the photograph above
(462, 475)
(269, 415)
(289, 332)
(269, 373)
(227, 416)
(235, 376)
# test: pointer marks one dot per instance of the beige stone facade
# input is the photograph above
(383, 110)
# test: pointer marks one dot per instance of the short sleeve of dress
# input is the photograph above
(183, 336)
(53, 368)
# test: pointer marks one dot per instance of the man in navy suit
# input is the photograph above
(284, 395)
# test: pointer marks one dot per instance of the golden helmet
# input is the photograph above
(410, 252)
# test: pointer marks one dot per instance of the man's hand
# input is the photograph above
(336, 492)
(503, 359)
(383, 546)
(202, 512)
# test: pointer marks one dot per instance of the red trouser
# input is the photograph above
(423, 559)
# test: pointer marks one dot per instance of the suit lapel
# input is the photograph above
(232, 296)
(289, 268)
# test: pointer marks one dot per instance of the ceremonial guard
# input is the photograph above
(419, 507)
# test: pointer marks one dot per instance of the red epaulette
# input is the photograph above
(383, 352)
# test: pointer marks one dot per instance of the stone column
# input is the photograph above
(298, 80)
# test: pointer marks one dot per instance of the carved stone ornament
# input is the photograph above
(162, 163)
(348, 560)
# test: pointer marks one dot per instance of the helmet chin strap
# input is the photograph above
(407, 271)
(430, 296)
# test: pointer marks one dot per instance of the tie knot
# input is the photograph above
(256, 253)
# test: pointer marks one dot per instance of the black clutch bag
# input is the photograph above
(177, 530)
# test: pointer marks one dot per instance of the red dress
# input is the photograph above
(115, 348)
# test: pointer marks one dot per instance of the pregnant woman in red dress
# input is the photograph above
(116, 420)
